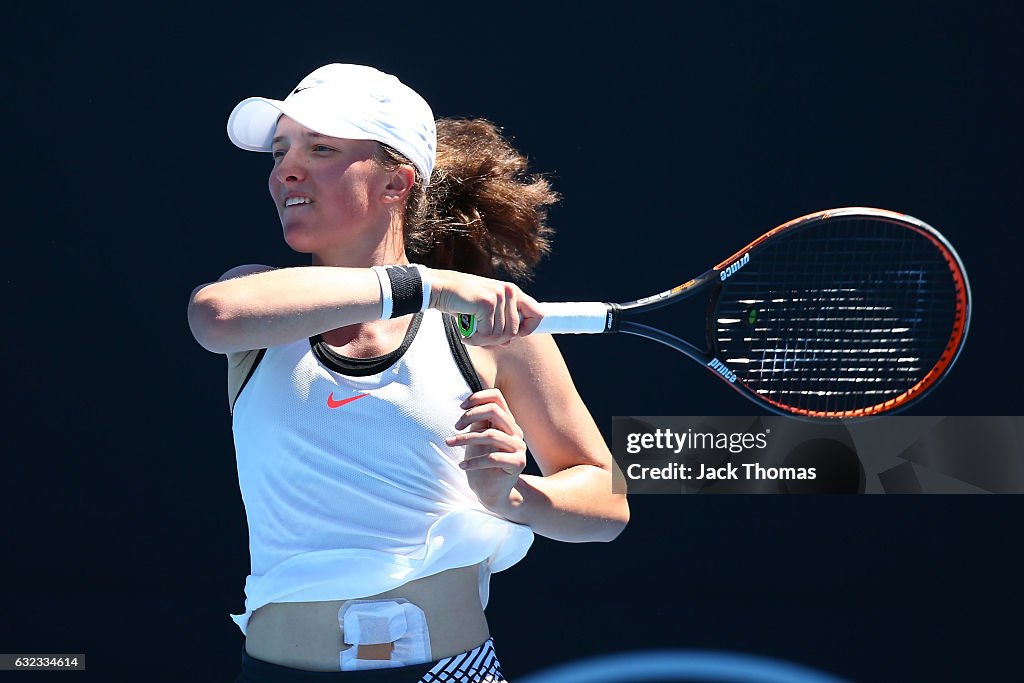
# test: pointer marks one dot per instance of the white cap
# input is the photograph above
(345, 101)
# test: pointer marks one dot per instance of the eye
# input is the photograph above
(322, 148)
(277, 153)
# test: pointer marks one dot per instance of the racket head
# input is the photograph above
(842, 313)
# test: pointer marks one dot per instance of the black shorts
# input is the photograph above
(479, 665)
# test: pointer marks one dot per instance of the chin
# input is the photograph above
(297, 240)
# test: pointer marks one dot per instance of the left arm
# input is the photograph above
(573, 500)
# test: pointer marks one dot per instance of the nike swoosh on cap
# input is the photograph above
(331, 403)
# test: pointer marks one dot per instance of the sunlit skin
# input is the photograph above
(354, 201)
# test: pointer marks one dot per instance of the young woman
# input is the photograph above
(380, 458)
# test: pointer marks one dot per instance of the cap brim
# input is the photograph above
(253, 121)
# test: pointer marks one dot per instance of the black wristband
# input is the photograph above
(406, 290)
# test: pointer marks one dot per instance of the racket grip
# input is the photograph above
(573, 317)
(568, 317)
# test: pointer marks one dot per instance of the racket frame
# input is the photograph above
(712, 278)
(565, 317)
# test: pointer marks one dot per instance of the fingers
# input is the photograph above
(512, 463)
(492, 395)
(488, 408)
(502, 310)
(498, 450)
(492, 415)
(488, 438)
(530, 314)
(516, 314)
(498, 320)
(489, 404)
(511, 313)
(493, 433)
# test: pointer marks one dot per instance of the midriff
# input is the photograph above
(307, 635)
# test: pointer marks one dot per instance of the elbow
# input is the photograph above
(616, 508)
(609, 519)
(210, 322)
(618, 519)
(612, 509)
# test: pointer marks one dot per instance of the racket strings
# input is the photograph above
(849, 315)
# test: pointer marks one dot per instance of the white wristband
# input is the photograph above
(385, 291)
(425, 278)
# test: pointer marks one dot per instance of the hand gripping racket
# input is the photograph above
(842, 313)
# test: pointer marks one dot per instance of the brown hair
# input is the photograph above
(482, 213)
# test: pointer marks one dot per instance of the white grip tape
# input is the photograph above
(573, 317)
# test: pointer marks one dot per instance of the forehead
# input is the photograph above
(289, 128)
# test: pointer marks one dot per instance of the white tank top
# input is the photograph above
(349, 488)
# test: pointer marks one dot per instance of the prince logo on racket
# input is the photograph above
(731, 269)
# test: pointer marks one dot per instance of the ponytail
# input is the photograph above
(482, 213)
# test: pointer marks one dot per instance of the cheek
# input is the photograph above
(274, 189)
(350, 202)
(353, 191)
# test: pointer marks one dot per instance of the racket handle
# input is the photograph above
(570, 317)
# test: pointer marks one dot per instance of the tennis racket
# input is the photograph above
(843, 313)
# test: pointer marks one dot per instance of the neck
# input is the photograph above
(386, 249)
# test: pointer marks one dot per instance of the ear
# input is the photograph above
(399, 183)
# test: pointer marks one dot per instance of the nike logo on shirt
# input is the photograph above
(331, 403)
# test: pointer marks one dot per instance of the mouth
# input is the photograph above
(296, 201)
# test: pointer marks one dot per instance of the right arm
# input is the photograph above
(255, 307)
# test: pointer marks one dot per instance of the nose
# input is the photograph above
(288, 168)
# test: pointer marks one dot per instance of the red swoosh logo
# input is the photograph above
(331, 403)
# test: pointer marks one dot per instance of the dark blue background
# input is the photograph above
(676, 133)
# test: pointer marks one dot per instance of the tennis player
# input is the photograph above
(380, 457)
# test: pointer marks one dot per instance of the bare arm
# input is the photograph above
(573, 501)
(255, 307)
(268, 307)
